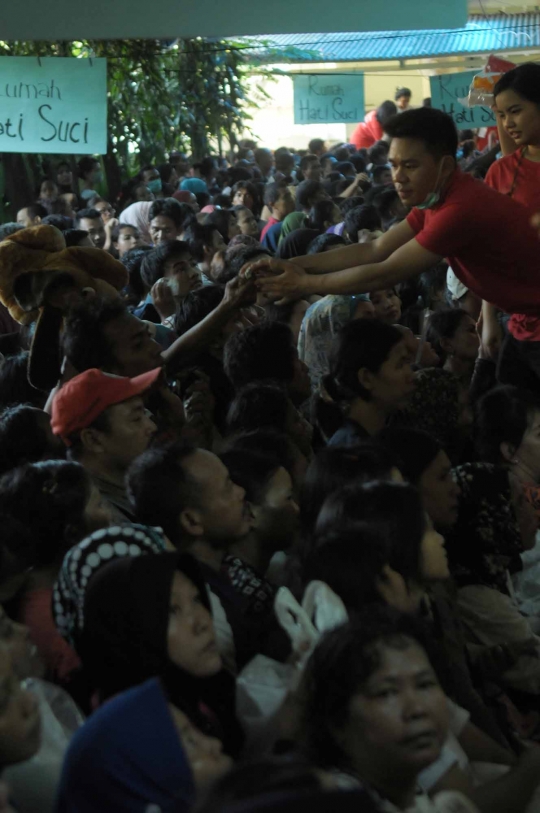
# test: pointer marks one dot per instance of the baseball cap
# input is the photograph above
(82, 399)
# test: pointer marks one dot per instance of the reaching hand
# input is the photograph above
(239, 293)
(278, 279)
(163, 299)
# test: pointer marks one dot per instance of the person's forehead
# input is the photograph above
(508, 98)
(91, 223)
(162, 221)
(404, 149)
(124, 328)
(205, 465)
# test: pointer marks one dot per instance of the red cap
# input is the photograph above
(85, 397)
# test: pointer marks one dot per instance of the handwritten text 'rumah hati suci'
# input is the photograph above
(51, 128)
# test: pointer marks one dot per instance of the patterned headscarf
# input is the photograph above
(320, 324)
(434, 406)
(486, 541)
(85, 559)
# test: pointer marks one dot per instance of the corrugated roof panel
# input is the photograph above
(480, 35)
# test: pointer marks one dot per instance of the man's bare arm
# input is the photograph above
(359, 253)
(407, 262)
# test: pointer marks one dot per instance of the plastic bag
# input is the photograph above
(264, 684)
(33, 784)
(481, 89)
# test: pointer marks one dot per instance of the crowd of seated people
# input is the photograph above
(270, 553)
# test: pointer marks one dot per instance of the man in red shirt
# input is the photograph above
(486, 237)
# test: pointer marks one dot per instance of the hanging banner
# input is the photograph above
(53, 104)
(323, 98)
(447, 89)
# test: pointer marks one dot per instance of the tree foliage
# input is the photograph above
(188, 94)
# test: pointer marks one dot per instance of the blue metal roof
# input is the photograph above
(481, 35)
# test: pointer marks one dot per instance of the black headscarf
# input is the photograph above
(124, 640)
(296, 243)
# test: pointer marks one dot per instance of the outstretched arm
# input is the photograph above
(292, 283)
(359, 253)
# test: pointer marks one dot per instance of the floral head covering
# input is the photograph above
(320, 324)
(486, 541)
(85, 559)
(434, 406)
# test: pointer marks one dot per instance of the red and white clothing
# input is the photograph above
(367, 132)
(491, 246)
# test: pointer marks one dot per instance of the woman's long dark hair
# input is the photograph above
(523, 80)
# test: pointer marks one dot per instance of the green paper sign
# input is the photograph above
(328, 98)
(446, 89)
(53, 104)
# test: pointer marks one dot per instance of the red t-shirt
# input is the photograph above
(367, 132)
(487, 239)
(527, 187)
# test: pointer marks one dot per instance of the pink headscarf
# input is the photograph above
(208, 210)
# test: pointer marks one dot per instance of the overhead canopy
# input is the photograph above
(167, 19)
(480, 35)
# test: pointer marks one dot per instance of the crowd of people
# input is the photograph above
(270, 540)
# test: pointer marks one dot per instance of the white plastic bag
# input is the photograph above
(33, 784)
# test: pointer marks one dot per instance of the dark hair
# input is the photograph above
(115, 234)
(503, 415)
(252, 471)
(358, 162)
(132, 260)
(273, 191)
(378, 171)
(23, 438)
(267, 441)
(17, 548)
(58, 492)
(400, 92)
(165, 171)
(350, 203)
(337, 670)
(442, 324)
(523, 80)
(86, 165)
(284, 160)
(258, 405)
(153, 263)
(308, 159)
(88, 214)
(335, 466)
(261, 351)
(73, 237)
(315, 144)
(393, 510)
(363, 217)
(307, 192)
(435, 128)
(159, 487)
(221, 220)
(362, 343)
(171, 208)
(385, 112)
(414, 449)
(324, 242)
(36, 210)
(199, 236)
(84, 339)
(320, 214)
(61, 222)
(196, 306)
(250, 187)
(15, 387)
(237, 258)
